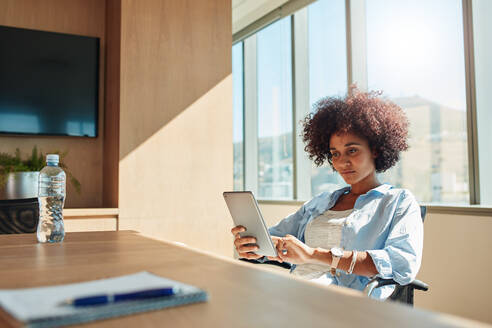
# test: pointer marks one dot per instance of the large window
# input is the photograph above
(274, 74)
(429, 57)
(415, 55)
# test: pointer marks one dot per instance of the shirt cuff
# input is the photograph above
(382, 263)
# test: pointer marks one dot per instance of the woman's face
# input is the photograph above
(351, 157)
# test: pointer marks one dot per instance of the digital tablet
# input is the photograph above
(245, 211)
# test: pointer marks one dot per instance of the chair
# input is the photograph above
(402, 294)
(19, 215)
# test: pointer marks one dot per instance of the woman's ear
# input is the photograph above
(374, 154)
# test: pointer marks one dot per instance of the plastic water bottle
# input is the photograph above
(51, 198)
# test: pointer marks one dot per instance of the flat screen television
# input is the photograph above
(48, 83)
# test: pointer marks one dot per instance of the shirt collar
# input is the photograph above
(382, 189)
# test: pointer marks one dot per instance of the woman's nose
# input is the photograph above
(346, 161)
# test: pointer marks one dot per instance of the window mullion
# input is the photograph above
(301, 107)
(250, 116)
(471, 110)
(357, 43)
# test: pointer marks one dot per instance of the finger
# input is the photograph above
(280, 245)
(244, 240)
(282, 256)
(275, 238)
(245, 249)
(275, 258)
(288, 242)
(248, 248)
(250, 256)
(280, 249)
(238, 229)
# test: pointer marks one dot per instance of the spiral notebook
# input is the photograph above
(42, 306)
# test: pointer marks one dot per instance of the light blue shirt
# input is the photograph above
(386, 222)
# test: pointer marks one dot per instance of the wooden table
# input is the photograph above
(241, 294)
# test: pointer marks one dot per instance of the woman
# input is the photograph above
(364, 230)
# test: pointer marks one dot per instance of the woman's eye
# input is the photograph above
(334, 155)
(353, 150)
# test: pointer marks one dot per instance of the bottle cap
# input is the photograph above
(52, 158)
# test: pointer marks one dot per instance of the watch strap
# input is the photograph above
(334, 263)
(353, 262)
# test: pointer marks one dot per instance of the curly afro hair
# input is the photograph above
(382, 123)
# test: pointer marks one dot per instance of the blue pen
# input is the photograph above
(113, 298)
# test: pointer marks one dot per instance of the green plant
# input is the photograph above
(14, 163)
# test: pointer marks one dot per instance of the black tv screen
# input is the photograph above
(48, 83)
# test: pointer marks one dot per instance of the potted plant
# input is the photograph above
(19, 177)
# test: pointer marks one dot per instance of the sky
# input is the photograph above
(414, 48)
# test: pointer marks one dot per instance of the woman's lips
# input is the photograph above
(347, 172)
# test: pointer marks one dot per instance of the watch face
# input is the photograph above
(336, 251)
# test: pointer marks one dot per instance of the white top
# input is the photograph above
(324, 231)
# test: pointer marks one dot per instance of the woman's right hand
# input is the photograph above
(245, 246)
(277, 242)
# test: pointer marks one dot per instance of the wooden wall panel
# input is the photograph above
(82, 17)
(176, 121)
(112, 104)
(94, 219)
(96, 224)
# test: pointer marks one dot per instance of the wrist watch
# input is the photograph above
(336, 255)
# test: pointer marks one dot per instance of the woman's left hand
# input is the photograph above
(294, 250)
